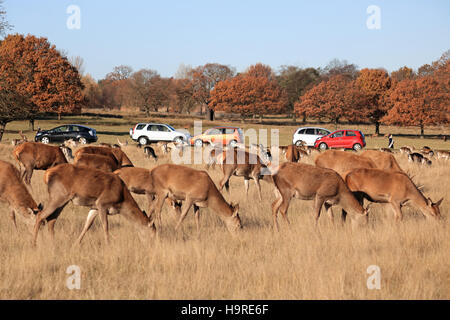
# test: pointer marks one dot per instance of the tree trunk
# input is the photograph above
(304, 117)
(31, 125)
(260, 118)
(377, 127)
(294, 118)
(421, 130)
(59, 116)
(2, 129)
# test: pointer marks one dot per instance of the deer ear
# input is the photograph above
(40, 207)
(235, 210)
(439, 202)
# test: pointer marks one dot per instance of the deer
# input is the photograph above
(395, 188)
(139, 181)
(442, 154)
(195, 188)
(150, 152)
(387, 150)
(70, 143)
(97, 161)
(122, 144)
(242, 164)
(37, 156)
(14, 192)
(382, 160)
(405, 150)
(116, 153)
(104, 193)
(23, 138)
(307, 182)
(419, 158)
(342, 161)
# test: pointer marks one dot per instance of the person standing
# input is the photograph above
(391, 141)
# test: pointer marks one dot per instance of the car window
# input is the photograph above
(152, 127)
(229, 131)
(140, 126)
(350, 134)
(213, 131)
(322, 132)
(302, 131)
(61, 129)
(75, 129)
(163, 129)
(337, 134)
(310, 131)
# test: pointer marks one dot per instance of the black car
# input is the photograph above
(79, 133)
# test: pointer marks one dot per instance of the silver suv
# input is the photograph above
(308, 135)
(145, 133)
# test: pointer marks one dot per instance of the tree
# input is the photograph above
(296, 81)
(150, 90)
(33, 68)
(183, 95)
(4, 25)
(337, 98)
(78, 63)
(92, 92)
(248, 95)
(121, 72)
(402, 74)
(375, 83)
(419, 102)
(260, 70)
(340, 67)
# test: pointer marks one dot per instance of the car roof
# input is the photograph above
(224, 127)
(299, 128)
(75, 125)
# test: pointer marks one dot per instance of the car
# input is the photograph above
(219, 135)
(308, 135)
(76, 132)
(349, 139)
(145, 133)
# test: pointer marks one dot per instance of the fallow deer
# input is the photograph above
(150, 152)
(419, 158)
(16, 195)
(395, 188)
(37, 156)
(307, 182)
(104, 193)
(405, 150)
(442, 154)
(195, 188)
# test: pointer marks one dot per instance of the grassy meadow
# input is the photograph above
(299, 262)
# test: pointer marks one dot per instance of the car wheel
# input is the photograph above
(198, 143)
(143, 141)
(45, 140)
(82, 140)
(178, 140)
(299, 143)
(233, 143)
(357, 147)
(323, 146)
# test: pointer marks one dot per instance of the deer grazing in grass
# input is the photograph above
(97, 161)
(442, 154)
(104, 193)
(14, 192)
(419, 158)
(307, 182)
(37, 156)
(243, 164)
(343, 162)
(395, 188)
(116, 153)
(195, 188)
(382, 160)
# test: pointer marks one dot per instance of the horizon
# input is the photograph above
(238, 34)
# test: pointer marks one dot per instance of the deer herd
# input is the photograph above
(103, 178)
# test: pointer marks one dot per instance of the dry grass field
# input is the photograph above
(299, 262)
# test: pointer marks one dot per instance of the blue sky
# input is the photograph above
(163, 34)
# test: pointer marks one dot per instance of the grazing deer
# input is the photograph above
(149, 152)
(419, 158)
(139, 181)
(382, 160)
(37, 156)
(405, 150)
(442, 154)
(195, 188)
(242, 164)
(395, 188)
(116, 153)
(307, 182)
(343, 162)
(16, 195)
(97, 161)
(104, 193)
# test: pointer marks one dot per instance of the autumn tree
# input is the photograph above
(35, 69)
(4, 25)
(248, 95)
(340, 67)
(183, 96)
(418, 102)
(295, 82)
(375, 83)
(260, 70)
(92, 92)
(337, 98)
(402, 74)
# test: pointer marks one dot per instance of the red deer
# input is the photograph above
(139, 181)
(382, 160)
(307, 182)
(395, 188)
(104, 193)
(37, 156)
(116, 153)
(97, 161)
(294, 153)
(16, 195)
(242, 164)
(195, 188)
(342, 161)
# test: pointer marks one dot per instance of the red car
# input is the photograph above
(349, 139)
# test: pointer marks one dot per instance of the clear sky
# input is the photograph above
(163, 34)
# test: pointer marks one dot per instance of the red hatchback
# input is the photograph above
(349, 139)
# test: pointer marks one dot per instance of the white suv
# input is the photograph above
(145, 133)
(308, 135)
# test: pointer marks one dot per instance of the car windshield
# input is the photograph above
(170, 127)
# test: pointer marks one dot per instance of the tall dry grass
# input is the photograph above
(299, 262)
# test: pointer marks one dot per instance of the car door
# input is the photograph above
(165, 133)
(309, 136)
(336, 139)
(214, 135)
(72, 133)
(349, 139)
(153, 133)
(58, 133)
(320, 133)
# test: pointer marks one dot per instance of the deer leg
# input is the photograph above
(52, 207)
(318, 207)
(275, 207)
(246, 182)
(397, 211)
(187, 205)
(225, 181)
(258, 186)
(197, 218)
(89, 220)
(284, 207)
(51, 222)
(329, 211)
(103, 213)
(158, 206)
(12, 215)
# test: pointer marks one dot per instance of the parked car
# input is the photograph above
(308, 135)
(350, 139)
(144, 133)
(76, 132)
(219, 135)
